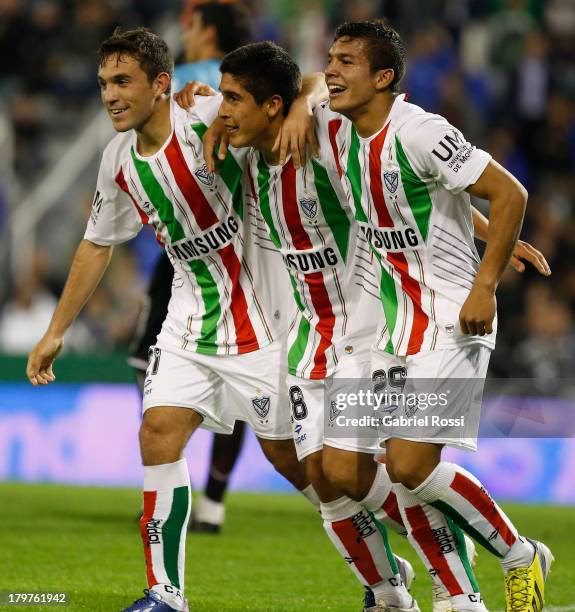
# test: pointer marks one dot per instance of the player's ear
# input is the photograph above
(383, 78)
(162, 83)
(273, 106)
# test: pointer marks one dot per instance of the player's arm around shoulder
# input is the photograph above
(299, 128)
(508, 199)
(89, 263)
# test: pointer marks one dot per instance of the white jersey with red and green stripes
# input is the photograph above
(406, 184)
(310, 223)
(226, 295)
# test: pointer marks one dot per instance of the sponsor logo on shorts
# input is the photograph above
(410, 409)
(299, 437)
(334, 411)
(261, 406)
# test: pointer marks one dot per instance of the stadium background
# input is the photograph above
(503, 71)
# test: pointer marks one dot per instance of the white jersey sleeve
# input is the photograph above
(327, 126)
(114, 217)
(207, 108)
(439, 151)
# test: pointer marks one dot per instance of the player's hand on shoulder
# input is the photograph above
(216, 143)
(478, 311)
(297, 133)
(40, 361)
(185, 97)
(523, 251)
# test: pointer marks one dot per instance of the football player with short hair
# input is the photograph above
(409, 174)
(210, 30)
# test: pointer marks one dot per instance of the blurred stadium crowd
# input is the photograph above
(503, 71)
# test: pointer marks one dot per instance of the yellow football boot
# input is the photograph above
(525, 586)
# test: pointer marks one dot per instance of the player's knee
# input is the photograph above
(344, 475)
(155, 429)
(406, 470)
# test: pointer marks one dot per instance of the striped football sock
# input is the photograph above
(163, 526)
(363, 543)
(382, 501)
(440, 544)
(460, 496)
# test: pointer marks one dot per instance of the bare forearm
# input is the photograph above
(89, 264)
(505, 220)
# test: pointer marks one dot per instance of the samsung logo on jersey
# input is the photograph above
(311, 262)
(392, 239)
(214, 239)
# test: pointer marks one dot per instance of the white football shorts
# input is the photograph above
(432, 396)
(223, 388)
(314, 414)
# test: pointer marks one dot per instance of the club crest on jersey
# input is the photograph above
(391, 180)
(205, 177)
(309, 207)
(261, 406)
(334, 411)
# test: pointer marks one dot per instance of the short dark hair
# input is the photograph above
(264, 69)
(384, 46)
(231, 22)
(143, 45)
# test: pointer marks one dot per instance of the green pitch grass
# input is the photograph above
(272, 555)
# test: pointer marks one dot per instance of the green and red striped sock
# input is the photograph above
(440, 544)
(363, 543)
(460, 496)
(382, 502)
(163, 526)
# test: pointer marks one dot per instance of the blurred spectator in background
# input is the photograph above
(210, 30)
(549, 350)
(29, 309)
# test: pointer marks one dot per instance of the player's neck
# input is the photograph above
(157, 129)
(266, 142)
(371, 117)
